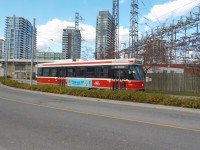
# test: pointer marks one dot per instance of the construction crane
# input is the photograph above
(115, 13)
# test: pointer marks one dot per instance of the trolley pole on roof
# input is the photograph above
(32, 53)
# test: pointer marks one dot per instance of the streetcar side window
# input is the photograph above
(90, 72)
(46, 72)
(80, 72)
(102, 72)
(70, 72)
(119, 74)
(53, 72)
(62, 72)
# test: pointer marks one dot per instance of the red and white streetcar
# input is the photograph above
(101, 74)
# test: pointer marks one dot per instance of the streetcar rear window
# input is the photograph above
(39, 72)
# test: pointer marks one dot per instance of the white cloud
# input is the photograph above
(50, 32)
(123, 35)
(49, 35)
(173, 8)
(88, 33)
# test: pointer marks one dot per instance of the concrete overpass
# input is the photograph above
(19, 68)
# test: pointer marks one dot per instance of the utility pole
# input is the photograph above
(6, 58)
(33, 52)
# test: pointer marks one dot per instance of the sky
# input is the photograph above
(52, 16)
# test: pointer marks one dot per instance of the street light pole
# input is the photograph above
(6, 59)
(32, 56)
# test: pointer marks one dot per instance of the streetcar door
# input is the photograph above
(118, 79)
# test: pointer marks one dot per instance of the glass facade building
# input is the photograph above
(18, 38)
(1, 48)
(71, 43)
(104, 46)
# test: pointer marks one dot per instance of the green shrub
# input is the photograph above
(126, 95)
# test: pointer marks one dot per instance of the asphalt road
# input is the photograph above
(37, 121)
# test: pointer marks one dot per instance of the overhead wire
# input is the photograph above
(178, 8)
(157, 18)
(151, 13)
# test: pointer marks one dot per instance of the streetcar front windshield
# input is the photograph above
(136, 72)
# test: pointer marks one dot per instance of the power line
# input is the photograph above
(152, 10)
(177, 9)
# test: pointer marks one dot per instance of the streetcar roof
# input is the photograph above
(70, 62)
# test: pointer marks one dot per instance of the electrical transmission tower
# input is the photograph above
(77, 18)
(115, 13)
(133, 31)
(76, 41)
(179, 42)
